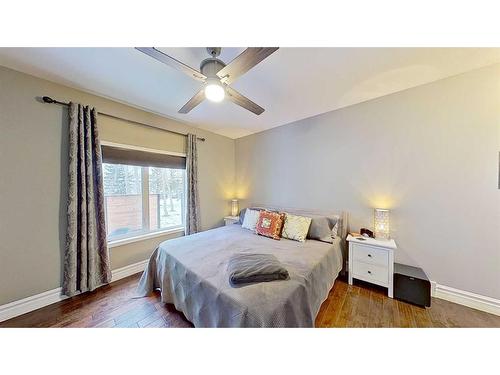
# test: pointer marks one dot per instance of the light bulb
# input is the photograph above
(214, 91)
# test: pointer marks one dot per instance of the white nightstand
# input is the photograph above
(372, 260)
(230, 220)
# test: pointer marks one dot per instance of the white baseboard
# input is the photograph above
(28, 304)
(462, 297)
(25, 305)
(132, 269)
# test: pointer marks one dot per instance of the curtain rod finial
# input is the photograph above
(48, 99)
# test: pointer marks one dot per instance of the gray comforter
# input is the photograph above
(192, 274)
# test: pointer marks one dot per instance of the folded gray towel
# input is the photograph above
(255, 268)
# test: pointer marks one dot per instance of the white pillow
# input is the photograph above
(250, 220)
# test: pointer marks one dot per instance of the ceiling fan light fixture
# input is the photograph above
(214, 91)
(216, 75)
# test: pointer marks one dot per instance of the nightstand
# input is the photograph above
(230, 220)
(372, 260)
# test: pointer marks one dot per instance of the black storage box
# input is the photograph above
(411, 285)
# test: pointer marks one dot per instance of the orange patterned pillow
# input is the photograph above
(270, 224)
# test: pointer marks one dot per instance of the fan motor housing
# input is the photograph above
(209, 67)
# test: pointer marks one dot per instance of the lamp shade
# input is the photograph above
(381, 223)
(234, 207)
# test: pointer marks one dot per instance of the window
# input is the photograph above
(142, 199)
(123, 200)
(166, 198)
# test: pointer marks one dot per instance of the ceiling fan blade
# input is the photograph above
(194, 101)
(242, 101)
(244, 62)
(168, 60)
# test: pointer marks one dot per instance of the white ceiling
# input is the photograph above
(291, 84)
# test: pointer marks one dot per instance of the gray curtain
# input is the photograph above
(192, 198)
(86, 263)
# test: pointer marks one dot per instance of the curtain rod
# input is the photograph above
(49, 100)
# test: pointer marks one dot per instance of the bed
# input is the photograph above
(191, 273)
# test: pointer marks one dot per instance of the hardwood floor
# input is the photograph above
(360, 305)
(366, 305)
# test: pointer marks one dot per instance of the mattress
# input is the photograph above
(191, 273)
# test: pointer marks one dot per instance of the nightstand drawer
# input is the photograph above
(370, 255)
(371, 273)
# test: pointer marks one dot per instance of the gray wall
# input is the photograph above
(430, 154)
(33, 178)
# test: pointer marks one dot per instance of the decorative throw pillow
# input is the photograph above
(323, 228)
(250, 220)
(296, 227)
(270, 224)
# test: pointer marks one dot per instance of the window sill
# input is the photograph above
(142, 237)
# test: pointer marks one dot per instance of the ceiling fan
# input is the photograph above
(216, 75)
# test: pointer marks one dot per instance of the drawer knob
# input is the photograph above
(370, 272)
(369, 255)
